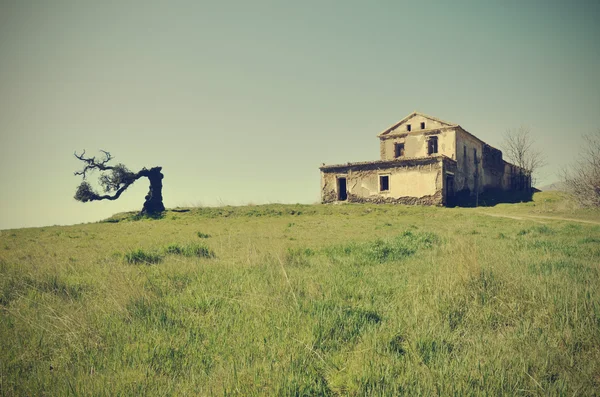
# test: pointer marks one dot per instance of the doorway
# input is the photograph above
(450, 202)
(341, 188)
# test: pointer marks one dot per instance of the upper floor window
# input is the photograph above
(475, 156)
(465, 152)
(399, 150)
(408, 127)
(422, 125)
(432, 145)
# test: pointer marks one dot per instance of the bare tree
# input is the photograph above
(519, 148)
(582, 178)
(117, 178)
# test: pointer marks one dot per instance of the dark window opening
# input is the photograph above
(423, 125)
(384, 183)
(475, 156)
(465, 152)
(450, 190)
(342, 192)
(432, 145)
(408, 127)
(399, 150)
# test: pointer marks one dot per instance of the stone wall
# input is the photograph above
(415, 143)
(469, 168)
(418, 181)
(435, 199)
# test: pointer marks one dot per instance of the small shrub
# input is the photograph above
(202, 235)
(189, 250)
(174, 249)
(139, 217)
(199, 251)
(141, 256)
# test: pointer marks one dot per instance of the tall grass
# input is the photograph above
(302, 300)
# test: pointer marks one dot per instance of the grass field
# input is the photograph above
(306, 300)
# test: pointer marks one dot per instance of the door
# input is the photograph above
(450, 202)
(342, 192)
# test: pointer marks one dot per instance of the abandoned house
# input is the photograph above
(424, 160)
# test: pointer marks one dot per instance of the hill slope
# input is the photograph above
(305, 300)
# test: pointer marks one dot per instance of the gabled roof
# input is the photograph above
(396, 125)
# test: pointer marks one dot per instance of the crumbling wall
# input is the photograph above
(449, 168)
(328, 187)
(435, 199)
(515, 178)
(415, 143)
(469, 173)
(493, 168)
(492, 159)
(413, 179)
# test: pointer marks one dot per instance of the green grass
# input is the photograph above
(189, 250)
(304, 300)
(141, 256)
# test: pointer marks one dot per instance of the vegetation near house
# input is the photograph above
(307, 300)
(582, 178)
(520, 148)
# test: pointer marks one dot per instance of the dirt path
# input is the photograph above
(534, 217)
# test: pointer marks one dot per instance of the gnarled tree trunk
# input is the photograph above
(153, 204)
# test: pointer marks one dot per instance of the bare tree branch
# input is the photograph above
(519, 148)
(92, 164)
(582, 178)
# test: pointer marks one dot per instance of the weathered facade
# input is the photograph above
(424, 160)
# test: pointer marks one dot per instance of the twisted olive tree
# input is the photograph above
(117, 178)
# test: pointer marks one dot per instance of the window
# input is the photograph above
(408, 128)
(399, 150)
(384, 183)
(475, 156)
(423, 125)
(432, 145)
(465, 152)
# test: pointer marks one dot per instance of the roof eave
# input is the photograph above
(385, 162)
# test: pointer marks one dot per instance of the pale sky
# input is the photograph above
(241, 101)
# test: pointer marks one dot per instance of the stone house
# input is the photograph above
(424, 160)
